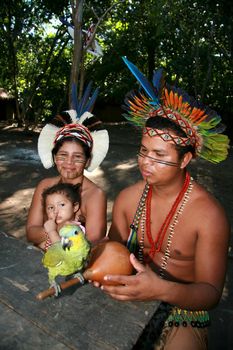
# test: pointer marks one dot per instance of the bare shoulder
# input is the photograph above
(47, 182)
(90, 190)
(131, 194)
(207, 207)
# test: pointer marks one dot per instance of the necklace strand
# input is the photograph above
(157, 243)
(167, 253)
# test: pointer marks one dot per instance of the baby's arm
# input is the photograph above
(51, 230)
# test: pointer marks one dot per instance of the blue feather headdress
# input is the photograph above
(201, 125)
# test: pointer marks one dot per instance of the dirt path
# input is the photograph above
(20, 171)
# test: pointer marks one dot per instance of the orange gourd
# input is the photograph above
(109, 257)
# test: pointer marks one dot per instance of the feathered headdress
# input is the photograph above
(77, 122)
(201, 125)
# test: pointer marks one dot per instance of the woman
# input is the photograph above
(71, 149)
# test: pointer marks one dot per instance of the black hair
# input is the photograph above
(72, 192)
(59, 143)
(162, 123)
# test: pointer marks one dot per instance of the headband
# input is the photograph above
(75, 130)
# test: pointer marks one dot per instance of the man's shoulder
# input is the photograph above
(133, 191)
(205, 202)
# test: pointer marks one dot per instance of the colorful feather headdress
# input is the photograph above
(77, 122)
(201, 125)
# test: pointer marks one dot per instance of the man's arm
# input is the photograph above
(210, 268)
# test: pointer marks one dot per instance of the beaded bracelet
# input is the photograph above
(48, 242)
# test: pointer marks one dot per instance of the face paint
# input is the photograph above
(155, 160)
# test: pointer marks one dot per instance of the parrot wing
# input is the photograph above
(64, 262)
(77, 255)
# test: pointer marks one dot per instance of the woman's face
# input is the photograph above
(70, 160)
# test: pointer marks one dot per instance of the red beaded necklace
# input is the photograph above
(155, 245)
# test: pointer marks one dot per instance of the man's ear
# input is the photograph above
(76, 207)
(186, 160)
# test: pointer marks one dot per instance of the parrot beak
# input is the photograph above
(66, 243)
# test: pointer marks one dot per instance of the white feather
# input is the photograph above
(100, 148)
(85, 116)
(45, 144)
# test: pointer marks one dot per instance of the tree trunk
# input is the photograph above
(77, 15)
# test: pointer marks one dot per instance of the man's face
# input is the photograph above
(158, 160)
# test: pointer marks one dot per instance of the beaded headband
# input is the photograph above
(201, 125)
(76, 130)
(166, 136)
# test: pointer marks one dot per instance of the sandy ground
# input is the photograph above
(20, 171)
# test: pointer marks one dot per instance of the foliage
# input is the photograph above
(193, 41)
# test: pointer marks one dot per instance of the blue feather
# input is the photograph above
(132, 244)
(91, 102)
(86, 103)
(83, 101)
(141, 79)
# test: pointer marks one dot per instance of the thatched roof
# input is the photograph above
(5, 95)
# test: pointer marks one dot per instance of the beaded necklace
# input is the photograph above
(157, 243)
(183, 200)
(142, 218)
(167, 253)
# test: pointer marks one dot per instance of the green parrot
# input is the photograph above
(64, 259)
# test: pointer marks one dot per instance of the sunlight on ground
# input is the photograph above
(126, 166)
(20, 201)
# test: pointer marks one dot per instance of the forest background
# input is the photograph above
(191, 40)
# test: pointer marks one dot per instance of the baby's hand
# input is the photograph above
(50, 225)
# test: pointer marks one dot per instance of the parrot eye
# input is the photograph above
(76, 232)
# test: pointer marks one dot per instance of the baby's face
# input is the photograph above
(59, 208)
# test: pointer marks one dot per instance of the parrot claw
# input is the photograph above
(56, 287)
(79, 276)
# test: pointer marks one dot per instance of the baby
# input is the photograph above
(61, 202)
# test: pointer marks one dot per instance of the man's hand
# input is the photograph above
(135, 287)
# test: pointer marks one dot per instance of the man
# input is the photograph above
(178, 231)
